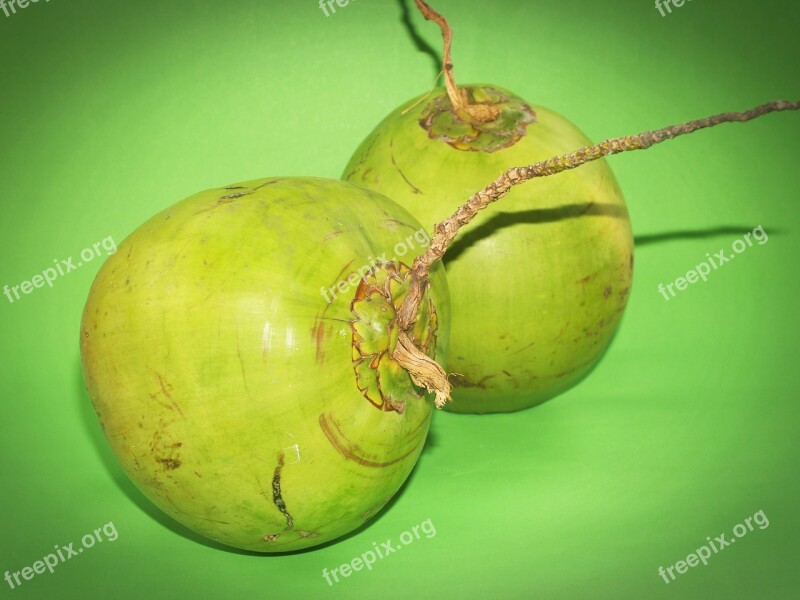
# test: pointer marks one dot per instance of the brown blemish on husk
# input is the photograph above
(414, 188)
(277, 496)
(307, 534)
(169, 463)
(268, 183)
(463, 382)
(166, 389)
(318, 331)
(165, 451)
(332, 430)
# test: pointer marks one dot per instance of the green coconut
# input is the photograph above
(238, 351)
(539, 281)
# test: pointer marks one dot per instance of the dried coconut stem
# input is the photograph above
(432, 375)
(456, 98)
(425, 372)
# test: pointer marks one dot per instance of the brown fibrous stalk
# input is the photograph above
(481, 113)
(453, 92)
(432, 376)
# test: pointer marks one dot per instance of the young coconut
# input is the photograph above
(427, 372)
(238, 351)
(538, 284)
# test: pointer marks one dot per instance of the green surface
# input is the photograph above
(113, 111)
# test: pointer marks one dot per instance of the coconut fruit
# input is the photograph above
(538, 281)
(238, 351)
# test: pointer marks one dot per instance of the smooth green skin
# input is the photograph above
(539, 280)
(209, 351)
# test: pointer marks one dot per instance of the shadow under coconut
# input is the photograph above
(586, 209)
(501, 220)
(95, 433)
(697, 234)
(419, 41)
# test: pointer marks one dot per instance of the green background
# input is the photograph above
(113, 110)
